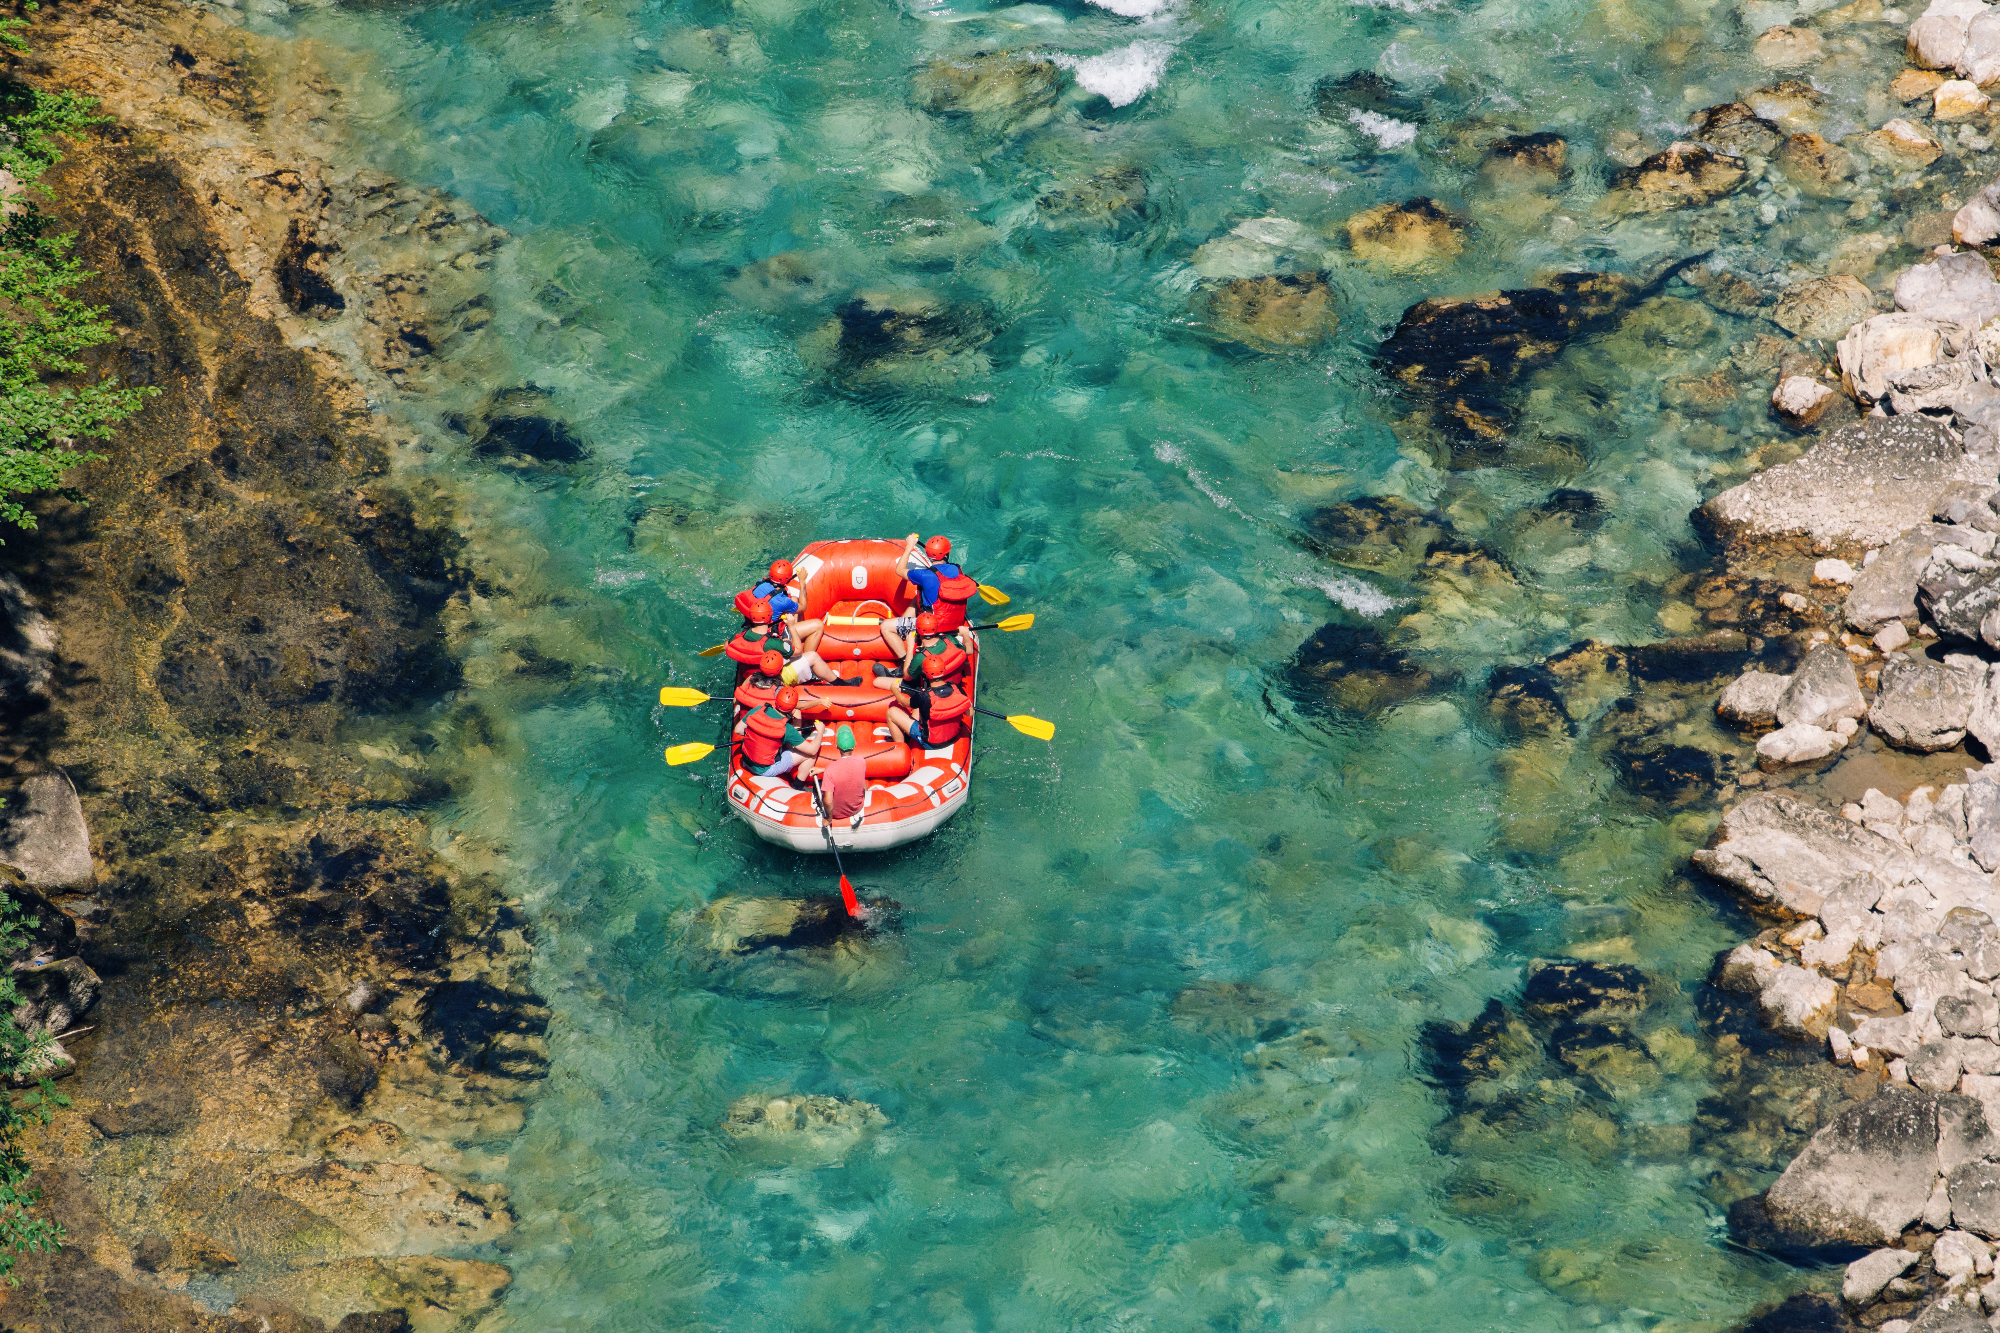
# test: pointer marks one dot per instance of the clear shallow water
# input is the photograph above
(1064, 1151)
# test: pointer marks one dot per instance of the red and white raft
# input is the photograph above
(853, 586)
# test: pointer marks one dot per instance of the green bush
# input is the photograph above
(43, 329)
(21, 1232)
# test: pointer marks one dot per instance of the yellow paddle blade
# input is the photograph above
(993, 596)
(712, 652)
(687, 754)
(679, 696)
(1012, 623)
(1032, 726)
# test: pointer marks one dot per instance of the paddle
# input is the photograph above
(1010, 624)
(687, 754)
(826, 827)
(680, 696)
(716, 651)
(1021, 722)
(993, 596)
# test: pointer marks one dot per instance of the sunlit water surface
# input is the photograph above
(1062, 1152)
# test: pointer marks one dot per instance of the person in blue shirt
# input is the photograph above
(777, 589)
(943, 589)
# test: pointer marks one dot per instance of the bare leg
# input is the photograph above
(805, 633)
(899, 722)
(816, 665)
(895, 642)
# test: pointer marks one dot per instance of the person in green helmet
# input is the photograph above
(844, 782)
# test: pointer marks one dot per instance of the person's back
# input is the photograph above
(844, 782)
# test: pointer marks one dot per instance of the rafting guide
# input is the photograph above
(857, 678)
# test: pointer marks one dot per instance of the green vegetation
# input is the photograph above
(43, 329)
(21, 1232)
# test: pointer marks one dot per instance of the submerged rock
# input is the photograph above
(1110, 198)
(1528, 159)
(1814, 165)
(1584, 992)
(1463, 353)
(1352, 669)
(903, 338)
(1362, 90)
(1526, 701)
(1235, 1009)
(1278, 312)
(1735, 128)
(740, 925)
(1823, 307)
(996, 85)
(1380, 531)
(1411, 235)
(1900, 145)
(817, 1125)
(1684, 175)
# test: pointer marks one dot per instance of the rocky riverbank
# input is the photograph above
(309, 1035)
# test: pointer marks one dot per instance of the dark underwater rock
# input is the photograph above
(1350, 668)
(302, 274)
(541, 439)
(1674, 774)
(1584, 992)
(1526, 701)
(1495, 1045)
(1109, 199)
(1523, 156)
(1336, 95)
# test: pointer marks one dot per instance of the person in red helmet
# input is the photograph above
(772, 743)
(942, 589)
(761, 686)
(777, 589)
(757, 637)
(934, 710)
(928, 642)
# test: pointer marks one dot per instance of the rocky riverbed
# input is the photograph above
(297, 1030)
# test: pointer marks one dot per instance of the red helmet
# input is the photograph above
(758, 612)
(937, 548)
(936, 668)
(771, 663)
(781, 572)
(788, 698)
(927, 623)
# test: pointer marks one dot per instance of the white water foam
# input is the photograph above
(1135, 9)
(1363, 599)
(1384, 130)
(1123, 76)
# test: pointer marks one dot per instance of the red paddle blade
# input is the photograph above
(847, 896)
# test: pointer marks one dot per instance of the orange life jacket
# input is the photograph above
(763, 738)
(953, 596)
(945, 716)
(752, 695)
(750, 651)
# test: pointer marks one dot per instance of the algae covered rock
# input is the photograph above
(1518, 160)
(1351, 668)
(1415, 234)
(808, 1123)
(1278, 312)
(907, 338)
(1010, 86)
(738, 924)
(1584, 992)
(1823, 307)
(1735, 128)
(1109, 199)
(1814, 165)
(1682, 176)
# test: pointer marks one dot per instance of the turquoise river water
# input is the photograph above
(1076, 1138)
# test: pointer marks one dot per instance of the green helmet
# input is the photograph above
(844, 738)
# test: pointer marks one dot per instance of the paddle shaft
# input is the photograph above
(826, 827)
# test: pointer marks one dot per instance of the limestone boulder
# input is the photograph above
(1886, 588)
(1866, 1276)
(1784, 856)
(1958, 99)
(1864, 1177)
(1952, 289)
(1913, 84)
(1881, 348)
(1862, 485)
(1823, 690)
(1922, 705)
(1684, 175)
(1959, 592)
(1978, 223)
(1983, 725)
(1900, 146)
(1814, 165)
(1797, 743)
(1932, 388)
(1801, 401)
(44, 835)
(1823, 307)
(1937, 39)
(1751, 700)
(1792, 105)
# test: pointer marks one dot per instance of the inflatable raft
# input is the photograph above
(853, 586)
